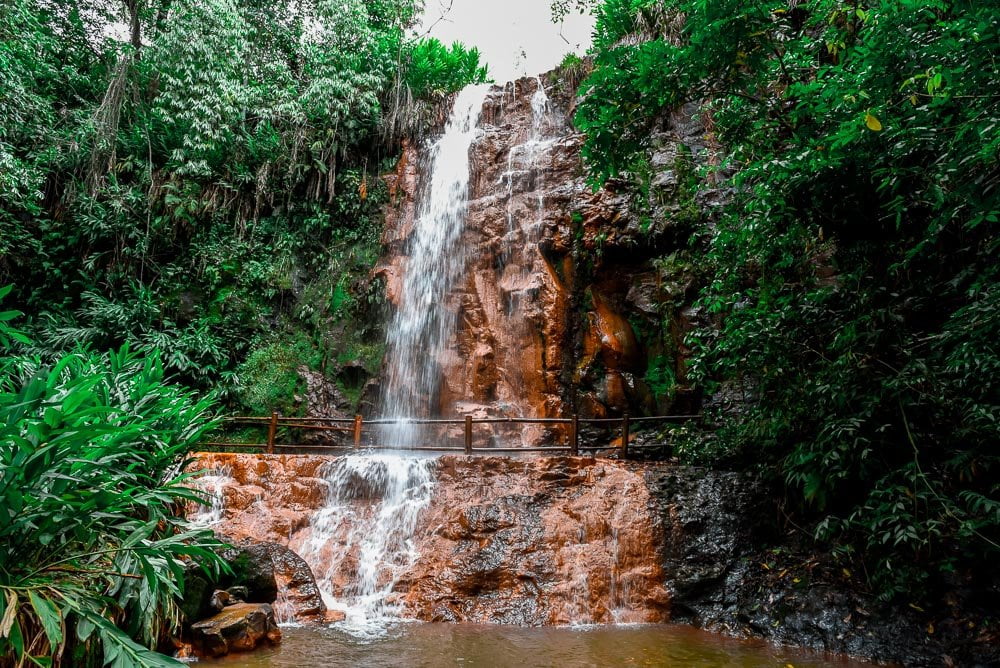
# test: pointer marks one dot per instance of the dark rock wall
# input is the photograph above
(725, 572)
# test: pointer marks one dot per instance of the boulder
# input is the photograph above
(252, 576)
(238, 628)
(253, 569)
(301, 597)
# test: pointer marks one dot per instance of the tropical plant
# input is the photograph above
(852, 276)
(92, 553)
(436, 69)
(187, 187)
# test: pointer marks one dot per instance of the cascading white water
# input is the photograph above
(518, 280)
(621, 604)
(361, 541)
(422, 324)
(212, 483)
(523, 159)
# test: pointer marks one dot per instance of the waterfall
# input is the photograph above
(478, 539)
(422, 324)
(362, 540)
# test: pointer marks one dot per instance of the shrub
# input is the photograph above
(91, 551)
(852, 280)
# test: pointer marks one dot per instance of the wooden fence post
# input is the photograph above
(625, 426)
(272, 430)
(357, 432)
(574, 442)
(468, 434)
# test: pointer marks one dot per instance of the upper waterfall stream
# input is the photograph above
(468, 277)
(422, 323)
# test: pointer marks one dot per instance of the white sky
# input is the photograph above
(515, 37)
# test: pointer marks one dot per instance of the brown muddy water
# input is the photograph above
(413, 645)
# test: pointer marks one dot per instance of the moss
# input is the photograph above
(370, 354)
(269, 379)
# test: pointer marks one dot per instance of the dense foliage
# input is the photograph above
(205, 183)
(91, 553)
(436, 69)
(852, 279)
(193, 186)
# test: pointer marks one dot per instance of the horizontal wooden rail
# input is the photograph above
(316, 427)
(353, 429)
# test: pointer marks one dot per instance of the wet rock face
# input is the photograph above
(558, 275)
(507, 355)
(533, 541)
(723, 572)
(710, 522)
(561, 540)
(268, 497)
(266, 500)
(323, 398)
(537, 541)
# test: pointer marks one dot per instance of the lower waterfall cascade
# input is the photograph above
(361, 541)
(537, 541)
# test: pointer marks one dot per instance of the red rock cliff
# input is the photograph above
(558, 275)
(532, 541)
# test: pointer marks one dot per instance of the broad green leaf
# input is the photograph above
(49, 617)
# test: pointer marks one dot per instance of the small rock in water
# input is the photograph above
(239, 628)
(331, 616)
(231, 596)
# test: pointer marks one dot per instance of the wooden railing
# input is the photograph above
(353, 432)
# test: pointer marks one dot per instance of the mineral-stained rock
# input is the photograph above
(269, 498)
(263, 572)
(548, 259)
(333, 616)
(537, 541)
(534, 541)
(238, 628)
(288, 505)
(573, 539)
(220, 599)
